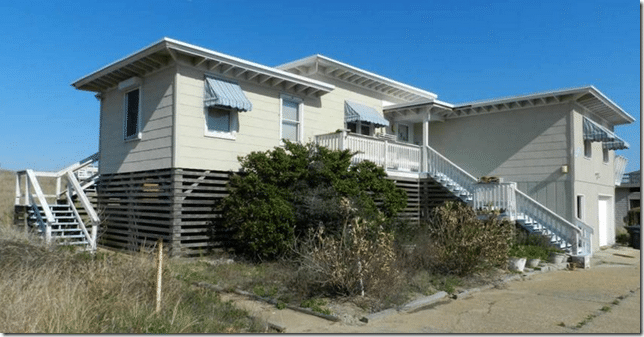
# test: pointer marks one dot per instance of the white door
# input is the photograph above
(604, 213)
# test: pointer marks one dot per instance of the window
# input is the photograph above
(291, 116)
(606, 155)
(363, 128)
(588, 149)
(353, 127)
(132, 118)
(403, 133)
(221, 122)
(580, 207)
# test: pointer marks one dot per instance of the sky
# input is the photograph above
(460, 50)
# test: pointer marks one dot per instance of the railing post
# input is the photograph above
(17, 200)
(27, 193)
(386, 154)
(57, 186)
(342, 138)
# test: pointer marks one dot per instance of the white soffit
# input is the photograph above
(588, 97)
(335, 69)
(166, 51)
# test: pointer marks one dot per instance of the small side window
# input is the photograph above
(588, 149)
(580, 207)
(132, 111)
(606, 155)
(221, 122)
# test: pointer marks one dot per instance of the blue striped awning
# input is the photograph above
(225, 93)
(358, 112)
(597, 133)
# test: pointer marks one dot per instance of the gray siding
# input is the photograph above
(154, 149)
(528, 146)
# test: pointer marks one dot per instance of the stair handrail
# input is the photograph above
(90, 238)
(73, 168)
(585, 242)
(33, 182)
(560, 226)
(463, 178)
(73, 182)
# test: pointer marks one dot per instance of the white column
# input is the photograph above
(424, 166)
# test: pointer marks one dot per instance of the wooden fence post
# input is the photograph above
(159, 274)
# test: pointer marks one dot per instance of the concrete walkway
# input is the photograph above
(603, 299)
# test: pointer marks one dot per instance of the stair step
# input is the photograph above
(68, 236)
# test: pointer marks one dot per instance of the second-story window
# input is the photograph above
(132, 111)
(291, 119)
(588, 148)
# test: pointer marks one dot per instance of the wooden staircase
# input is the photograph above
(72, 218)
(65, 230)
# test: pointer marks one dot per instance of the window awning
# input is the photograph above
(597, 133)
(357, 112)
(225, 93)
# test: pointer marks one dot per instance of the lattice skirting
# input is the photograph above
(178, 206)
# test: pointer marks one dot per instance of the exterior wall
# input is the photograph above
(259, 129)
(154, 149)
(528, 146)
(593, 178)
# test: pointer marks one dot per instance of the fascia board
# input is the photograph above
(167, 43)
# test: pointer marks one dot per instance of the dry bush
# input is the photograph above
(359, 261)
(46, 289)
(458, 242)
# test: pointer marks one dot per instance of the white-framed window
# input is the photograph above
(580, 206)
(403, 133)
(221, 122)
(291, 121)
(132, 114)
(588, 149)
(360, 127)
(606, 155)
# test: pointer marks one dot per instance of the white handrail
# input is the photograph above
(83, 198)
(40, 196)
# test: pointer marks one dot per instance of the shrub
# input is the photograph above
(359, 261)
(463, 242)
(632, 218)
(281, 193)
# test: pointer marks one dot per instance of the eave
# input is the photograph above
(325, 66)
(587, 97)
(168, 51)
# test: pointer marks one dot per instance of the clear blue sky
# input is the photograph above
(460, 50)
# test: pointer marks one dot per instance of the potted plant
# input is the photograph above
(557, 256)
(517, 260)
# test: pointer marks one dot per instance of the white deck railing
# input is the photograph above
(496, 196)
(389, 154)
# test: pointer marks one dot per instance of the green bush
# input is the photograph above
(633, 217)
(463, 243)
(281, 193)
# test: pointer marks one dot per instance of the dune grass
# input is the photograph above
(55, 290)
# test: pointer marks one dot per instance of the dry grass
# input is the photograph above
(53, 290)
(8, 193)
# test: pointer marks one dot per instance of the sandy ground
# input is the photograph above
(603, 299)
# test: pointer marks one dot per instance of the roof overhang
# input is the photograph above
(418, 111)
(319, 64)
(587, 97)
(168, 51)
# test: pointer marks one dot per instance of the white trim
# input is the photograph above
(138, 134)
(300, 112)
(232, 122)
